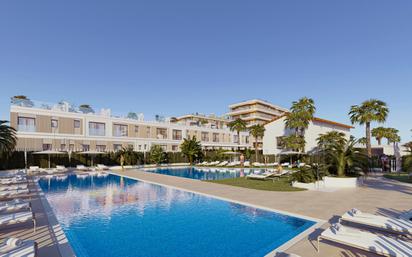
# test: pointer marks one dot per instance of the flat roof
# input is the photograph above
(253, 101)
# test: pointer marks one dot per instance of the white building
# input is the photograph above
(276, 129)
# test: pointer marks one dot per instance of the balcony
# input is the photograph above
(26, 128)
(97, 132)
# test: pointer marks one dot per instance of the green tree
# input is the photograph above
(293, 143)
(330, 138)
(379, 133)
(8, 139)
(127, 156)
(367, 112)
(237, 125)
(257, 131)
(392, 135)
(192, 149)
(157, 155)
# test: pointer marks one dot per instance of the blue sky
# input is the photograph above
(183, 56)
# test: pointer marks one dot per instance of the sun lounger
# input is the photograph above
(17, 218)
(13, 187)
(224, 163)
(102, 167)
(246, 164)
(11, 193)
(61, 168)
(263, 176)
(14, 180)
(393, 225)
(258, 164)
(378, 244)
(14, 247)
(82, 168)
(14, 205)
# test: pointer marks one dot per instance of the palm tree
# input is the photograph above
(257, 131)
(369, 111)
(294, 143)
(330, 138)
(379, 133)
(237, 125)
(392, 135)
(8, 139)
(191, 148)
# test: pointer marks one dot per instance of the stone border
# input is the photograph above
(281, 248)
(59, 237)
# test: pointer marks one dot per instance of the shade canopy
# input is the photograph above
(289, 153)
(91, 152)
(49, 152)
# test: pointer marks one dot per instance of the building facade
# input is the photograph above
(275, 130)
(255, 112)
(66, 128)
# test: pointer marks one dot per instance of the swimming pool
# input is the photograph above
(114, 216)
(204, 173)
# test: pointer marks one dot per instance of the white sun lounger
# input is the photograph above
(61, 168)
(14, 180)
(14, 205)
(262, 176)
(13, 187)
(10, 193)
(14, 247)
(224, 163)
(394, 225)
(102, 167)
(82, 168)
(17, 218)
(378, 244)
(246, 164)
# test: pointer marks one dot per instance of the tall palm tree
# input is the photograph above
(300, 115)
(330, 138)
(8, 139)
(369, 111)
(237, 125)
(392, 136)
(257, 131)
(379, 133)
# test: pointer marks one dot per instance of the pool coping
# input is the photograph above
(281, 248)
(62, 243)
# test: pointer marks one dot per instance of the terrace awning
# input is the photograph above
(49, 152)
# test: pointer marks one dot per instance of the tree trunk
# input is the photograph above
(256, 149)
(368, 139)
(238, 140)
(379, 140)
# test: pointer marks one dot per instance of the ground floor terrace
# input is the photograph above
(378, 195)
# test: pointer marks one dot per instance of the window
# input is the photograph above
(63, 147)
(145, 146)
(235, 139)
(177, 134)
(148, 131)
(117, 147)
(71, 147)
(279, 142)
(140, 147)
(161, 133)
(246, 139)
(76, 123)
(215, 137)
(164, 147)
(136, 130)
(175, 148)
(97, 129)
(47, 147)
(85, 148)
(205, 136)
(54, 123)
(120, 130)
(100, 148)
(26, 124)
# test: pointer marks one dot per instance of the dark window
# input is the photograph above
(76, 123)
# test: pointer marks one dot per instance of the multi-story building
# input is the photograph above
(201, 120)
(63, 127)
(255, 112)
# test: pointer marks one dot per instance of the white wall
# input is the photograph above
(277, 129)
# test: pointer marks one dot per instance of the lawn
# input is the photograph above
(402, 177)
(282, 184)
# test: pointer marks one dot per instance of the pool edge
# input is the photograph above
(283, 247)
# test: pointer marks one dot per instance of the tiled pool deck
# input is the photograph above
(378, 195)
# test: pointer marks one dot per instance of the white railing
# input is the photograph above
(25, 128)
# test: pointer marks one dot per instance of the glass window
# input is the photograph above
(97, 129)
(26, 124)
(148, 131)
(279, 142)
(71, 147)
(247, 139)
(63, 147)
(76, 123)
(136, 130)
(100, 148)
(47, 147)
(117, 147)
(120, 130)
(235, 139)
(205, 136)
(54, 123)
(215, 137)
(177, 134)
(161, 133)
(175, 148)
(140, 147)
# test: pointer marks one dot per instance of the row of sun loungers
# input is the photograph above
(16, 212)
(247, 164)
(372, 242)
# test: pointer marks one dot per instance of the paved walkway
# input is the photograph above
(377, 195)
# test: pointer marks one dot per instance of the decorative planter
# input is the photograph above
(336, 182)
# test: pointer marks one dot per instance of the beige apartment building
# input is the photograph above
(255, 112)
(210, 121)
(66, 128)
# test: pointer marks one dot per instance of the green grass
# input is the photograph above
(282, 184)
(402, 177)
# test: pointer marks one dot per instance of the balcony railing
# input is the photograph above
(97, 132)
(25, 128)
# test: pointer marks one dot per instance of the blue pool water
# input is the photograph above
(113, 216)
(204, 173)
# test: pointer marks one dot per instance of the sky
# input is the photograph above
(184, 56)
